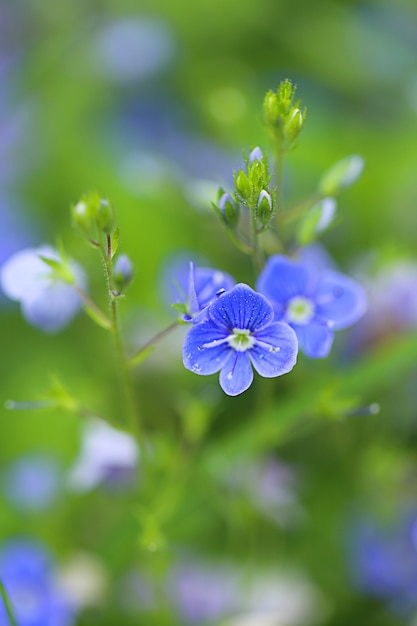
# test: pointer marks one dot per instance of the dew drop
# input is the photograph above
(229, 376)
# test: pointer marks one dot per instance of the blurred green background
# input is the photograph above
(152, 104)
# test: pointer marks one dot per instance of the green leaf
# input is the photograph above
(115, 241)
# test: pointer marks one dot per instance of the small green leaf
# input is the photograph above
(180, 307)
(115, 241)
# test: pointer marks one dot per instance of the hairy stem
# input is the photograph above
(131, 404)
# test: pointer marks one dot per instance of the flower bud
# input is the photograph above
(242, 185)
(264, 207)
(122, 272)
(229, 209)
(294, 125)
(105, 216)
(81, 217)
(256, 155)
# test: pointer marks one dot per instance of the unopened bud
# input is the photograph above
(256, 155)
(122, 272)
(82, 217)
(105, 216)
(242, 185)
(229, 209)
(264, 207)
(294, 125)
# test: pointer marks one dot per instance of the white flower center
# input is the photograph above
(300, 310)
(241, 340)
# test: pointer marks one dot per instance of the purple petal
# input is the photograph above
(283, 279)
(315, 340)
(339, 300)
(206, 349)
(237, 374)
(243, 308)
(275, 350)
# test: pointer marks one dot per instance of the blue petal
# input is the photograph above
(206, 349)
(315, 340)
(241, 307)
(275, 350)
(208, 282)
(339, 300)
(236, 375)
(283, 279)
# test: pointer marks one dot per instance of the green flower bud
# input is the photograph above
(243, 186)
(264, 208)
(294, 125)
(271, 109)
(82, 217)
(105, 216)
(229, 210)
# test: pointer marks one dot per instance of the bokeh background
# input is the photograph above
(294, 495)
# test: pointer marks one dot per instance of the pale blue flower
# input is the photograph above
(47, 301)
(314, 303)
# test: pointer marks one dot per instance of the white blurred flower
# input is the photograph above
(47, 301)
(106, 455)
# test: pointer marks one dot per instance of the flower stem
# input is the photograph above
(131, 405)
(136, 358)
(6, 601)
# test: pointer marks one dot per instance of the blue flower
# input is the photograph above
(27, 574)
(239, 332)
(199, 287)
(47, 301)
(313, 303)
(32, 483)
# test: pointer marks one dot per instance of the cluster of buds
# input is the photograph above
(92, 215)
(251, 191)
(283, 115)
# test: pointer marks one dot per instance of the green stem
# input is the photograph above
(9, 610)
(131, 406)
(92, 308)
(154, 340)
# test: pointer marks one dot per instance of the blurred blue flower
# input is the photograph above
(27, 573)
(47, 302)
(132, 49)
(313, 303)
(203, 593)
(239, 332)
(383, 562)
(32, 483)
(107, 455)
